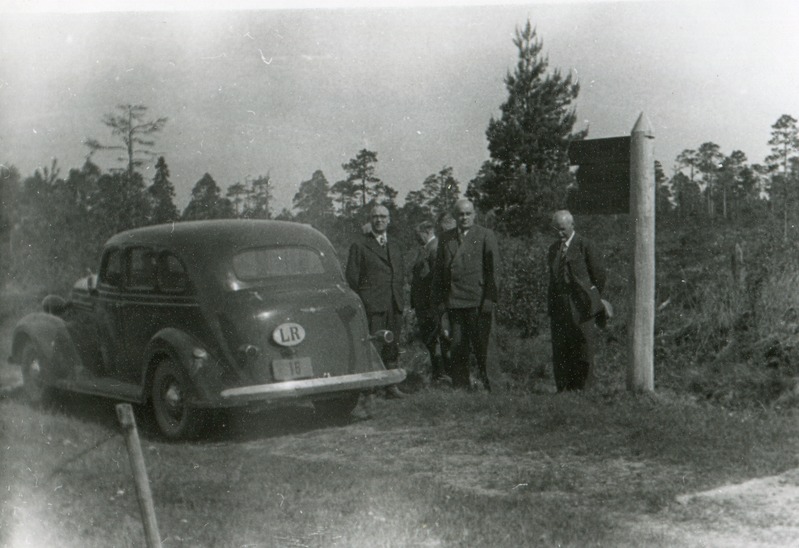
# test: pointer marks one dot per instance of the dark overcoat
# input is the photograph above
(377, 273)
(422, 276)
(585, 277)
(574, 300)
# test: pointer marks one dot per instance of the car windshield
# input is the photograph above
(277, 262)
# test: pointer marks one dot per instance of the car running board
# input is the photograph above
(105, 387)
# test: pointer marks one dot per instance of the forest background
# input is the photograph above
(727, 311)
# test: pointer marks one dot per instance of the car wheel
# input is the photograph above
(170, 397)
(33, 371)
(336, 409)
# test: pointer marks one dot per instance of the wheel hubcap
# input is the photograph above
(173, 400)
(33, 378)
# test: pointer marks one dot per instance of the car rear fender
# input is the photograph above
(50, 335)
(203, 370)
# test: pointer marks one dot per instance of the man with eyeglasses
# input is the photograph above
(376, 272)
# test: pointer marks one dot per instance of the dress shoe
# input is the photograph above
(395, 393)
(366, 405)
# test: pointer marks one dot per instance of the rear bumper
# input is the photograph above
(307, 388)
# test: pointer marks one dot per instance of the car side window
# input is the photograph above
(172, 275)
(141, 269)
(111, 269)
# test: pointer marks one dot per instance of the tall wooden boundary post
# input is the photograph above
(640, 372)
(145, 497)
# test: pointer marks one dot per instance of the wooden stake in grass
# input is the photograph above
(640, 372)
(128, 422)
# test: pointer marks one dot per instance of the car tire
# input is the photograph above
(33, 372)
(336, 409)
(170, 398)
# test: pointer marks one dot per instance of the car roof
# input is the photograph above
(211, 237)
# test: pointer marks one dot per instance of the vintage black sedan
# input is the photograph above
(195, 316)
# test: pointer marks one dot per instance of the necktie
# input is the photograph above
(382, 240)
(562, 261)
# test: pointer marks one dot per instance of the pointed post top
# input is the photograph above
(642, 125)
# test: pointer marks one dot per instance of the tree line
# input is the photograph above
(52, 223)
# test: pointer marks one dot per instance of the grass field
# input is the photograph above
(436, 469)
(710, 459)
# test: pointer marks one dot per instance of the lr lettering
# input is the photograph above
(292, 335)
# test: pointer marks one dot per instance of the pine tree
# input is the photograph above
(259, 198)
(207, 202)
(527, 174)
(439, 193)
(784, 149)
(362, 188)
(708, 162)
(162, 195)
(312, 201)
(129, 125)
(235, 193)
(686, 159)
(731, 182)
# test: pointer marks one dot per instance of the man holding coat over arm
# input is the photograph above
(576, 282)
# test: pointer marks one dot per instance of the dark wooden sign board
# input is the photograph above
(603, 176)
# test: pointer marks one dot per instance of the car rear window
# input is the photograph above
(277, 262)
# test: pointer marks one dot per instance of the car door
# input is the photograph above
(138, 312)
(108, 321)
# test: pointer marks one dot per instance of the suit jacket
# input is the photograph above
(465, 273)
(376, 274)
(584, 277)
(422, 276)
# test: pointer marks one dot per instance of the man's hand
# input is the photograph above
(446, 329)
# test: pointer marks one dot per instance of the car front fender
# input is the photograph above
(52, 338)
(203, 370)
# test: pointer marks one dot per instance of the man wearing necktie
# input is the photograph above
(576, 281)
(375, 271)
(465, 288)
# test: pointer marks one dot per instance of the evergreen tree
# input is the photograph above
(708, 162)
(663, 191)
(362, 188)
(129, 125)
(687, 159)
(784, 149)
(61, 224)
(237, 193)
(527, 174)
(439, 193)
(259, 198)
(731, 182)
(10, 189)
(162, 195)
(119, 203)
(312, 201)
(207, 202)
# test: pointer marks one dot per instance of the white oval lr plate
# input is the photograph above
(288, 334)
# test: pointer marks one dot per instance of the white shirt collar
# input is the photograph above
(568, 242)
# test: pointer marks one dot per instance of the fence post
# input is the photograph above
(143, 494)
(640, 373)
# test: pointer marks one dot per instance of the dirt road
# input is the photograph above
(759, 512)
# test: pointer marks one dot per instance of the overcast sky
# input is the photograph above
(286, 92)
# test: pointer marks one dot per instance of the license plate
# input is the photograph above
(294, 368)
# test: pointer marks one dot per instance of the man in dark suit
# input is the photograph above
(427, 316)
(375, 271)
(465, 285)
(576, 281)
